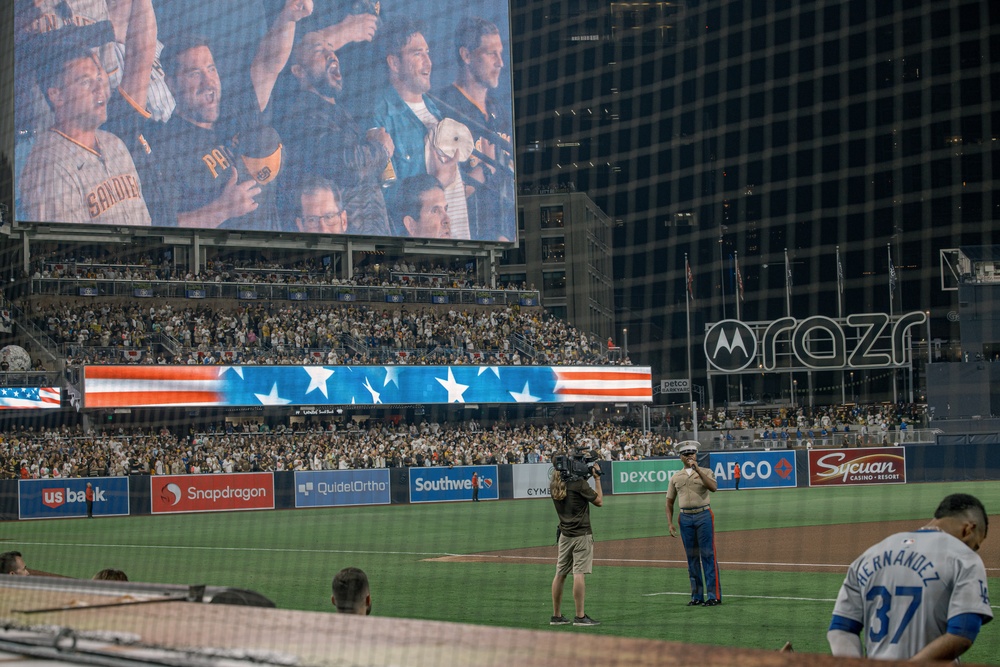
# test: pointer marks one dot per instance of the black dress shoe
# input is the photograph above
(713, 603)
(695, 603)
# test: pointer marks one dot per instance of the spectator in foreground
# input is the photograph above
(11, 562)
(351, 594)
(109, 574)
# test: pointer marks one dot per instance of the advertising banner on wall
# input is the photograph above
(212, 493)
(148, 386)
(531, 480)
(335, 488)
(649, 476)
(758, 470)
(871, 465)
(66, 497)
(428, 485)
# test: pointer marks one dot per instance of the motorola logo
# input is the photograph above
(730, 345)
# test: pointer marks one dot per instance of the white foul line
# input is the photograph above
(434, 554)
(752, 597)
(763, 597)
(251, 549)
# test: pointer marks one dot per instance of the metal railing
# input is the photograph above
(716, 440)
(30, 378)
(30, 330)
(249, 292)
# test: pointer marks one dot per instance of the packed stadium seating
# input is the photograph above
(69, 452)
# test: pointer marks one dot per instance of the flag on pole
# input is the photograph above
(689, 277)
(892, 272)
(840, 274)
(788, 272)
(739, 280)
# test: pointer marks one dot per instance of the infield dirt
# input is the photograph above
(799, 549)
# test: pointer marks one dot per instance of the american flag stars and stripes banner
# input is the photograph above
(29, 398)
(139, 386)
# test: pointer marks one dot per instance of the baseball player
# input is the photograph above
(917, 595)
(691, 487)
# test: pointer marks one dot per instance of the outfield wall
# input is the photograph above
(168, 494)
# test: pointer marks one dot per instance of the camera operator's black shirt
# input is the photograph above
(574, 509)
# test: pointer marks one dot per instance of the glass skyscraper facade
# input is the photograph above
(736, 131)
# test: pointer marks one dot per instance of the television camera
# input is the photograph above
(578, 465)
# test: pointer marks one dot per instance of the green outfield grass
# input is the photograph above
(290, 556)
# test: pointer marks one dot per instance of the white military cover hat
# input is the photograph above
(688, 447)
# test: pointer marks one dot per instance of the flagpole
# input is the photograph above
(840, 315)
(788, 306)
(892, 289)
(722, 275)
(892, 276)
(687, 310)
(840, 286)
(788, 285)
(736, 254)
(739, 297)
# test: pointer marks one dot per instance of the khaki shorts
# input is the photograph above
(576, 555)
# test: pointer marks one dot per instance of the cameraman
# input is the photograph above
(572, 499)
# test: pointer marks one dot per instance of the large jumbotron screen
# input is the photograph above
(231, 386)
(267, 115)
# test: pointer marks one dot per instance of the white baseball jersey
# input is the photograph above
(44, 16)
(905, 588)
(65, 181)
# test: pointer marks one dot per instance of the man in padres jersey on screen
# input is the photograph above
(918, 595)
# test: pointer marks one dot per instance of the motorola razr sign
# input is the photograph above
(866, 340)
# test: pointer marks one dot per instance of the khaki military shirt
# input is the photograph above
(689, 490)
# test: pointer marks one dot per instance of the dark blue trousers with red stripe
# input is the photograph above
(698, 535)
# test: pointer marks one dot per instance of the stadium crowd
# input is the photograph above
(457, 275)
(830, 425)
(265, 333)
(69, 452)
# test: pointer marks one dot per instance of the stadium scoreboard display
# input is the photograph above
(124, 169)
(136, 386)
